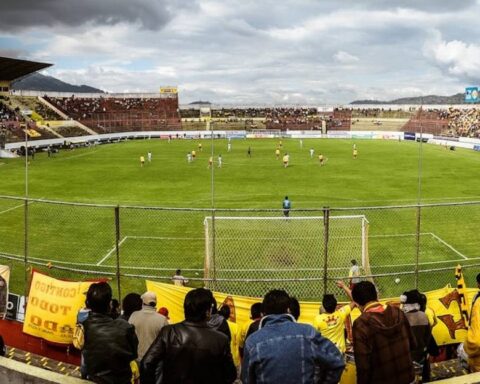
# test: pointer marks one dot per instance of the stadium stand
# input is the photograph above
(107, 115)
(464, 122)
(433, 121)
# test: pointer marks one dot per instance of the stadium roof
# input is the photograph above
(11, 69)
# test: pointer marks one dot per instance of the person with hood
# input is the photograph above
(284, 351)
(218, 322)
(382, 340)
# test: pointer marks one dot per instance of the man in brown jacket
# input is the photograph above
(382, 340)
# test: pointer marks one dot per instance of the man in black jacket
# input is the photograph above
(190, 351)
(110, 345)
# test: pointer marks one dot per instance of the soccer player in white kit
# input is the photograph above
(229, 146)
(189, 157)
(312, 151)
(149, 156)
(219, 161)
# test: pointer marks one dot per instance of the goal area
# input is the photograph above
(249, 255)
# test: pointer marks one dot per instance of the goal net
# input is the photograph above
(250, 255)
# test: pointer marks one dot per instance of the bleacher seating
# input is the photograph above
(107, 115)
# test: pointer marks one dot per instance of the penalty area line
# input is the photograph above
(109, 253)
(449, 246)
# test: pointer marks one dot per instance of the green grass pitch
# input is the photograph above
(155, 243)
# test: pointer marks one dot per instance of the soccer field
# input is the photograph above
(156, 242)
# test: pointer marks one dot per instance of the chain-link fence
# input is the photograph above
(241, 251)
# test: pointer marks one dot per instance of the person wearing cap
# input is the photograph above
(147, 322)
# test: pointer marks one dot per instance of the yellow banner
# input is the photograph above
(444, 302)
(52, 307)
(169, 90)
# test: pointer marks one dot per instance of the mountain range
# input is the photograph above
(458, 98)
(39, 82)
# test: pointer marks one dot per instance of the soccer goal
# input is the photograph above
(246, 255)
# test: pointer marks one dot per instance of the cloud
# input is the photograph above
(343, 57)
(455, 58)
(19, 14)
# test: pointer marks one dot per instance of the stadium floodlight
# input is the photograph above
(248, 254)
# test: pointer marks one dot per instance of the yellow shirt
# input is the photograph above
(332, 326)
(285, 159)
(355, 152)
(277, 152)
(194, 153)
(142, 159)
(320, 157)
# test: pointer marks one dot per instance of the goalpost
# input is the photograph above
(246, 255)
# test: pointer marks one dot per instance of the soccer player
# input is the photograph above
(355, 153)
(331, 323)
(301, 143)
(200, 147)
(280, 144)
(219, 161)
(312, 151)
(142, 161)
(194, 154)
(249, 152)
(286, 158)
(149, 156)
(210, 162)
(321, 159)
(277, 153)
(189, 157)
(286, 206)
(229, 146)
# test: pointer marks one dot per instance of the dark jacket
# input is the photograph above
(186, 353)
(219, 323)
(284, 351)
(110, 346)
(382, 342)
(421, 331)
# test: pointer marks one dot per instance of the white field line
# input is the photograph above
(449, 246)
(17, 206)
(111, 251)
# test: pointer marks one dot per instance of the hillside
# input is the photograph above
(429, 99)
(39, 82)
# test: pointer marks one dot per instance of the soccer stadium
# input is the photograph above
(149, 195)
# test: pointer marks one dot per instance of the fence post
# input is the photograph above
(214, 274)
(117, 249)
(25, 247)
(326, 219)
(417, 245)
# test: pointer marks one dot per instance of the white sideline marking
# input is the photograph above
(449, 246)
(165, 238)
(11, 209)
(111, 251)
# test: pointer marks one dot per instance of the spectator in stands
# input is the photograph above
(283, 351)
(218, 322)
(472, 342)
(255, 315)
(225, 312)
(110, 345)
(178, 279)
(190, 351)
(382, 340)
(294, 308)
(148, 323)
(418, 323)
(331, 323)
(131, 303)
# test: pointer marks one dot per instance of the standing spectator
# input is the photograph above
(234, 332)
(283, 351)
(472, 342)
(178, 279)
(190, 351)
(147, 322)
(354, 274)
(382, 340)
(331, 324)
(286, 206)
(130, 303)
(110, 345)
(255, 315)
(218, 322)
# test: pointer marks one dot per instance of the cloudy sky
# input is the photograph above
(252, 51)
